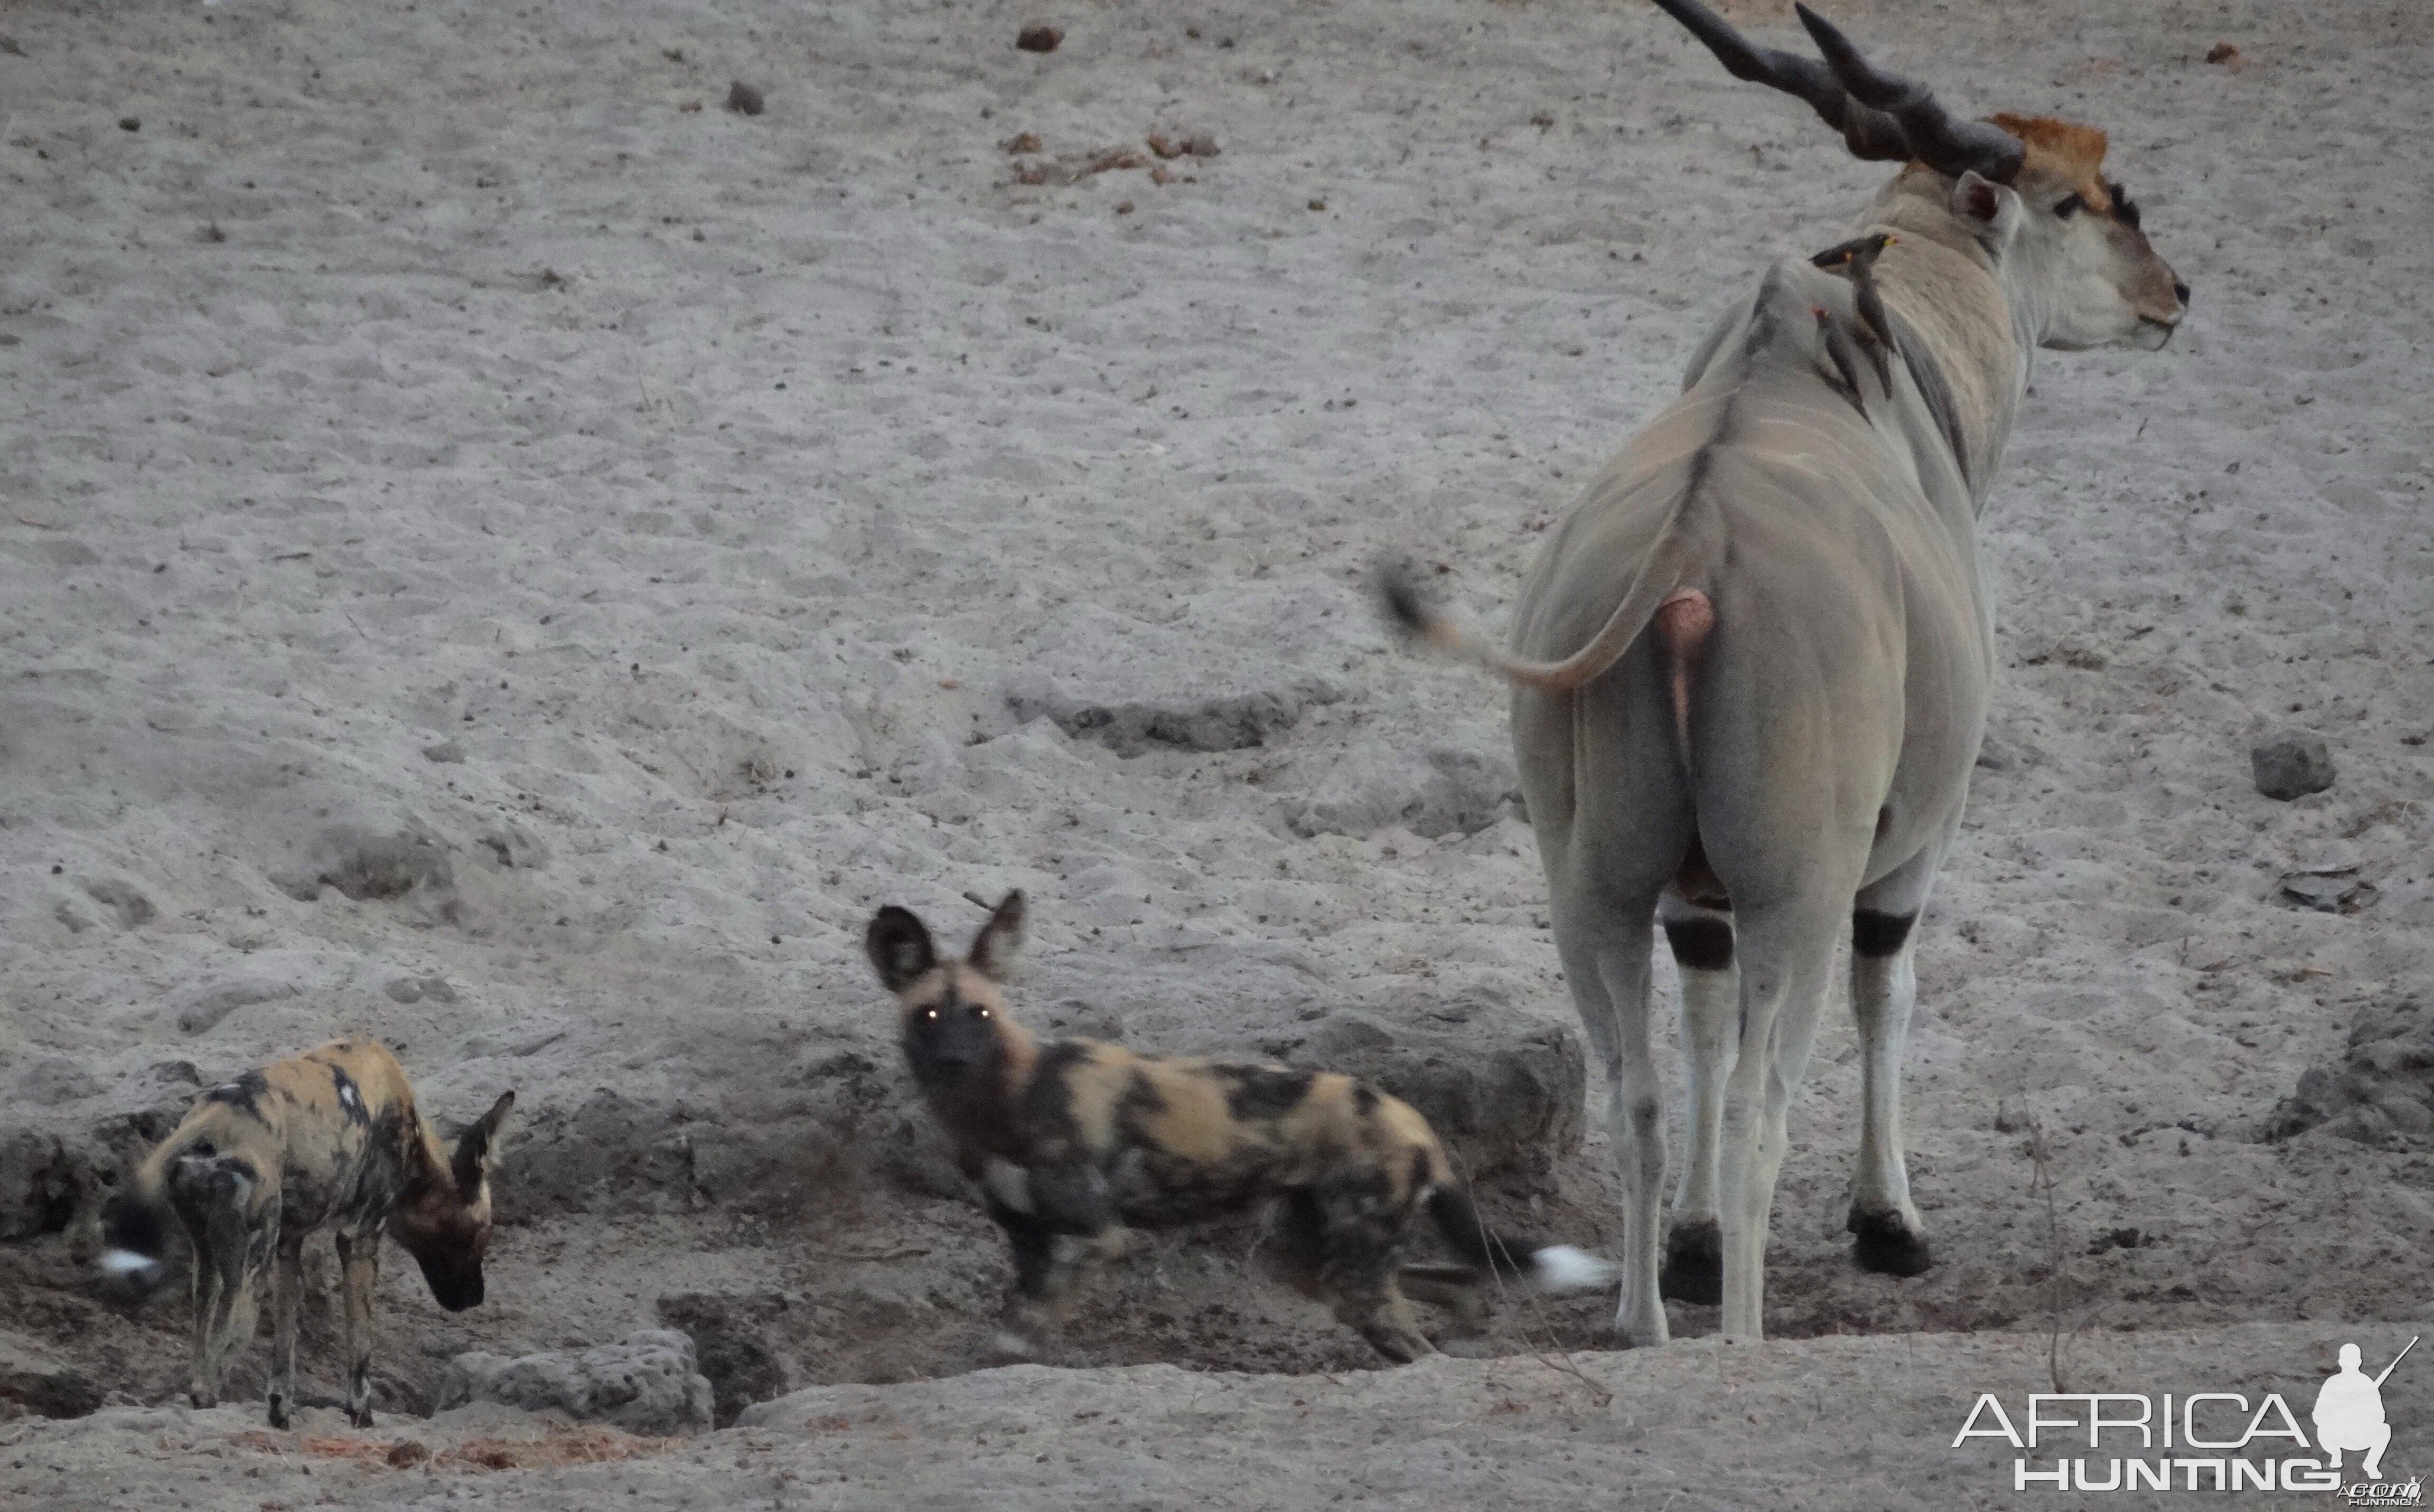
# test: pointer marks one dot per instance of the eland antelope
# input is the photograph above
(1786, 755)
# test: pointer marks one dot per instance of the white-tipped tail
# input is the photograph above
(1563, 1268)
(128, 1262)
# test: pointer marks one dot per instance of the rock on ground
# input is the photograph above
(2381, 1090)
(645, 1383)
(2290, 763)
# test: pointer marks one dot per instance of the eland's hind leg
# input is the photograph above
(1607, 947)
(1702, 942)
(1889, 1236)
(1787, 957)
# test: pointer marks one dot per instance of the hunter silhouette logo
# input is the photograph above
(2204, 1441)
(2349, 1411)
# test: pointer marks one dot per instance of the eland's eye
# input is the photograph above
(2069, 206)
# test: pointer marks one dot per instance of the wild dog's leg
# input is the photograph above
(202, 1387)
(1889, 1235)
(1455, 1288)
(1607, 945)
(290, 1283)
(1787, 957)
(1702, 942)
(232, 1249)
(1364, 1232)
(1295, 1247)
(359, 1276)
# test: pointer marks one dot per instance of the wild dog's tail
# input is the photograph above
(1655, 587)
(1546, 1267)
(139, 1225)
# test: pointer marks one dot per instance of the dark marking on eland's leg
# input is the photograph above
(1887, 1246)
(1879, 934)
(1700, 944)
(1695, 1264)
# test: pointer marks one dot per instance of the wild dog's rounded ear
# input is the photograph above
(1990, 211)
(1000, 940)
(473, 1155)
(899, 947)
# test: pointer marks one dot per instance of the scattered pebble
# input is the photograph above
(743, 99)
(1021, 142)
(128, 123)
(1164, 145)
(1125, 207)
(1038, 38)
(2290, 763)
(1318, 204)
(2222, 52)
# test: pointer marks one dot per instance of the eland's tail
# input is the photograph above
(1655, 594)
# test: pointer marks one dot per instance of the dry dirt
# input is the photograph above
(499, 552)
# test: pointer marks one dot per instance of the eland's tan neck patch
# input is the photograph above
(2064, 150)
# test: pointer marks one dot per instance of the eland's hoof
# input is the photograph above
(1695, 1264)
(1884, 1244)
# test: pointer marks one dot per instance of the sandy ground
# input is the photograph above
(1826, 1423)
(418, 420)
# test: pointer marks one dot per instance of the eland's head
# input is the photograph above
(2030, 191)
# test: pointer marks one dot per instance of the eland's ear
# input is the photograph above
(1000, 940)
(472, 1158)
(899, 947)
(1990, 211)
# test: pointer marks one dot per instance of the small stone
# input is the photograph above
(128, 123)
(1038, 38)
(1021, 142)
(448, 753)
(743, 99)
(2222, 52)
(406, 1452)
(1318, 204)
(2290, 763)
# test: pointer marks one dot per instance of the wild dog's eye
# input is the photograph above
(2069, 207)
(984, 1013)
(931, 1014)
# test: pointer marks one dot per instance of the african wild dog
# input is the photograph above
(328, 1136)
(1070, 1140)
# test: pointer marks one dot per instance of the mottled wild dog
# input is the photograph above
(1069, 1142)
(329, 1136)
